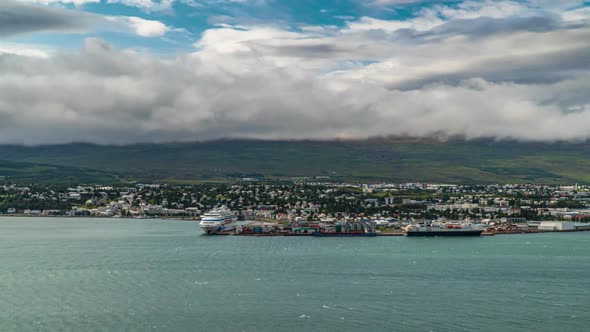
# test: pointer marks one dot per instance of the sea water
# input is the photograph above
(59, 274)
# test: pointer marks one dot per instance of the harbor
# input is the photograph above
(368, 228)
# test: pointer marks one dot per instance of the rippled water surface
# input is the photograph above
(142, 275)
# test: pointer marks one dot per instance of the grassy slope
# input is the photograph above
(456, 162)
(43, 173)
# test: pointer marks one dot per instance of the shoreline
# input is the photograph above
(94, 217)
(388, 233)
(395, 234)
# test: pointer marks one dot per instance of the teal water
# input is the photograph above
(152, 275)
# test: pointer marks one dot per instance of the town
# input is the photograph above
(508, 207)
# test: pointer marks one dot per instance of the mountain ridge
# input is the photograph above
(387, 159)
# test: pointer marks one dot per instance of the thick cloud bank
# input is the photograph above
(498, 71)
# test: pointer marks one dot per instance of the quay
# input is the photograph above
(276, 231)
(390, 233)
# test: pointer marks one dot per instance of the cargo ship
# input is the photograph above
(218, 220)
(442, 230)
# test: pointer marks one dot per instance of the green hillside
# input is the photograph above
(24, 172)
(452, 162)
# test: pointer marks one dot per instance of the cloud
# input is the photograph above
(466, 70)
(147, 5)
(22, 51)
(397, 2)
(150, 5)
(75, 2)
(142, 27)
(20, 18)
(436, 15)
(548, 4)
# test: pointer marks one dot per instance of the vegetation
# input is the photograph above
(308, 201)
(457, 162)
(24, 172)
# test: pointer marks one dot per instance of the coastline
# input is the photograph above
(92, 217)
(231, 233)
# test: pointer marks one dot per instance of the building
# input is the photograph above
(556, 226)
(193, 211)
(513, 220)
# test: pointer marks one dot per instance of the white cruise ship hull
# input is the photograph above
(213, 228)
(218, 220)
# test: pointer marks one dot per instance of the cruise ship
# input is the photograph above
(218, 220)
(443, 230)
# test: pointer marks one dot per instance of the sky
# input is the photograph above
(129, 71)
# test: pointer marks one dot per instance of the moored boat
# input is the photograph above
(218, 220)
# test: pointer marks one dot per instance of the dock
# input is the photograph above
(390, 233)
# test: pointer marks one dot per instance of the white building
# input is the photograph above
(556, 226)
